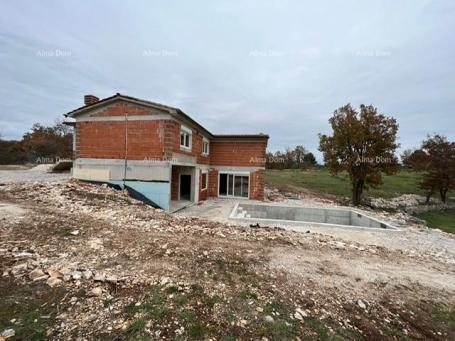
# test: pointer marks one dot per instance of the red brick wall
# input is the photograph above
(119, 109)
(213, 183)
(175, 178)
(257, 185)
(107, 140)
(249, 154)
(172, 134)
(203, 193)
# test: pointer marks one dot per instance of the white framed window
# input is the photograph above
(204, 180)
(185, 138)
(234, 184)
(205, 146)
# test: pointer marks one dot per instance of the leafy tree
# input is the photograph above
(309, 159)
(437, 159)
(414, 159)
(299, 156)
(47, 142)
(363, 144)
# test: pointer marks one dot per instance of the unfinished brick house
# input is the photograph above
(162, 154)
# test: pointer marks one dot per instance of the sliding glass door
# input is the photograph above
(233, 185)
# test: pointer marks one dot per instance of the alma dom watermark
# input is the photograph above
(53, 53)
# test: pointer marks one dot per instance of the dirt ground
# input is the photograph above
(85, 262)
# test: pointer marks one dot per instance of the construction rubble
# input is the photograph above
(83, 261)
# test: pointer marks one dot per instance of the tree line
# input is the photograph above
(297, 158)
(41, 144)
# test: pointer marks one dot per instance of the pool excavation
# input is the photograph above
(301, 216)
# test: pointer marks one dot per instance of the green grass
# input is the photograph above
(446, 316)
(136, 327)
(441, 219)
(320, 180)
(28, 305)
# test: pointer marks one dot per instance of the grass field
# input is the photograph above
(444, 220)
(320, 180)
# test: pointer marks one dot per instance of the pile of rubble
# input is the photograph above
(120, 268)
(410, 203)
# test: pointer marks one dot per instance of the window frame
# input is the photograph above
(204, 184)
(186, 133)
(205, 142)
(234, 175)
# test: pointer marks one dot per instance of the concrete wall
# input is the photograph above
(91, 169)
(308, 215)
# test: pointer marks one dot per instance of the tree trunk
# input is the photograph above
(357, 189)
(443, 192)
(429, 194)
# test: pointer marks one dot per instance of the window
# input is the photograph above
(204, 179)
(205, 146)
(185, 138)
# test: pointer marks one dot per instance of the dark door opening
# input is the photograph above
(185, 187)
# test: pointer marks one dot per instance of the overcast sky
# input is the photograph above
(278, 67)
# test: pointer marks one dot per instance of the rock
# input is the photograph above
(259, 309)
(269, 319)
(54, 273)
(340, 245)
(53, 281)
(164, 280)
(74, 233)
(361, 304)
(7, 333)
(99, 277)
(87, 274)
(76, 275)
(97, 291)
(23, 255)
(111, 279)
(37, 273)
(300, 314)
(18, 268)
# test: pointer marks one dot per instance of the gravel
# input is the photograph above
(12, 176)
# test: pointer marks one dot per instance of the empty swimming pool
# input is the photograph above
(305, 216)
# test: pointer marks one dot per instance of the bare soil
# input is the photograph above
(86, 262)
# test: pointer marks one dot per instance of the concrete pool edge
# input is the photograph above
(308, 224)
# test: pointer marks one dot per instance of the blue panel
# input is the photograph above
(158, 192)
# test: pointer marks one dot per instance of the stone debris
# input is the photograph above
(37, 275)
(410, 203)
(107, 252)
(300, 314)
(361, 304)
(7, 333)
(269, 319)
(97, 291)
(53, 281)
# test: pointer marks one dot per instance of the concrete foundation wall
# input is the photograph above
(305, 215)
(96, 169)
(158, 192)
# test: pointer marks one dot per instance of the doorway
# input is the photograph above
(185, 187)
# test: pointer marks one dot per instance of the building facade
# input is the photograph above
(163, 154)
